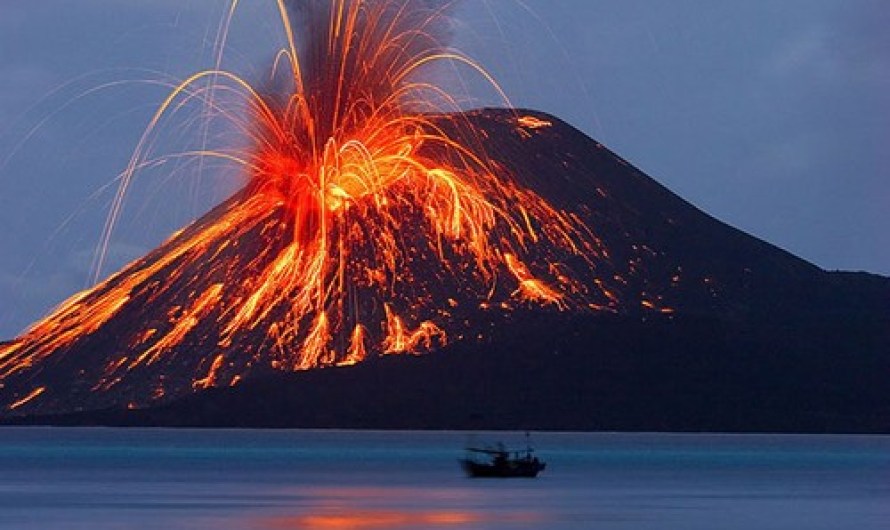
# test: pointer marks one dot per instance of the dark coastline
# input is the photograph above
(718, 331)
(580, 374)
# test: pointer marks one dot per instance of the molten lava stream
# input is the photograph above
(371, 222)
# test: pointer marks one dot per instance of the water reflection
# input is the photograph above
(391, 519)
(143, 479)
(371, 520)
(363, 508)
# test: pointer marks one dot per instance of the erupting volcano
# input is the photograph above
(376, 218)
(372, 221)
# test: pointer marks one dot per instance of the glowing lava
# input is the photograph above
(370, 218)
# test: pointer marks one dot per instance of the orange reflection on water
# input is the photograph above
(374, 519)
(369, 508)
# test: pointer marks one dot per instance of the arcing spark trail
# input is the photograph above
(371, 222)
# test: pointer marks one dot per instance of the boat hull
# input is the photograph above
(513, 469)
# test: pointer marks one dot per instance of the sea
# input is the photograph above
(108, 478)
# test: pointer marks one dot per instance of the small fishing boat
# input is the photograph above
(500, 462)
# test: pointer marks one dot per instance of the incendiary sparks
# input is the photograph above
(369, 218)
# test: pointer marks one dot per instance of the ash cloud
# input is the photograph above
(311, 20)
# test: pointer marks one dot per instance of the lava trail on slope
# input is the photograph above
(372, 222)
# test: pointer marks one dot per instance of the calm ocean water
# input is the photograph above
(232, 479)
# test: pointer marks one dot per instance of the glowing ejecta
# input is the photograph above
(369, 220)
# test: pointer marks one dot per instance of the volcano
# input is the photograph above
(707, 325)
(379, 221)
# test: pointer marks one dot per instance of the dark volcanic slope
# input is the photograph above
(577, 373)
(711, 329)
(659, 244)
(662, 246)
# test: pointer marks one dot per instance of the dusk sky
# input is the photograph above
(772, 116)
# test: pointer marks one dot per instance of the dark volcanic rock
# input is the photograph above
(577, 373)
(754, 337)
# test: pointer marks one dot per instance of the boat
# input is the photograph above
(500, 462)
